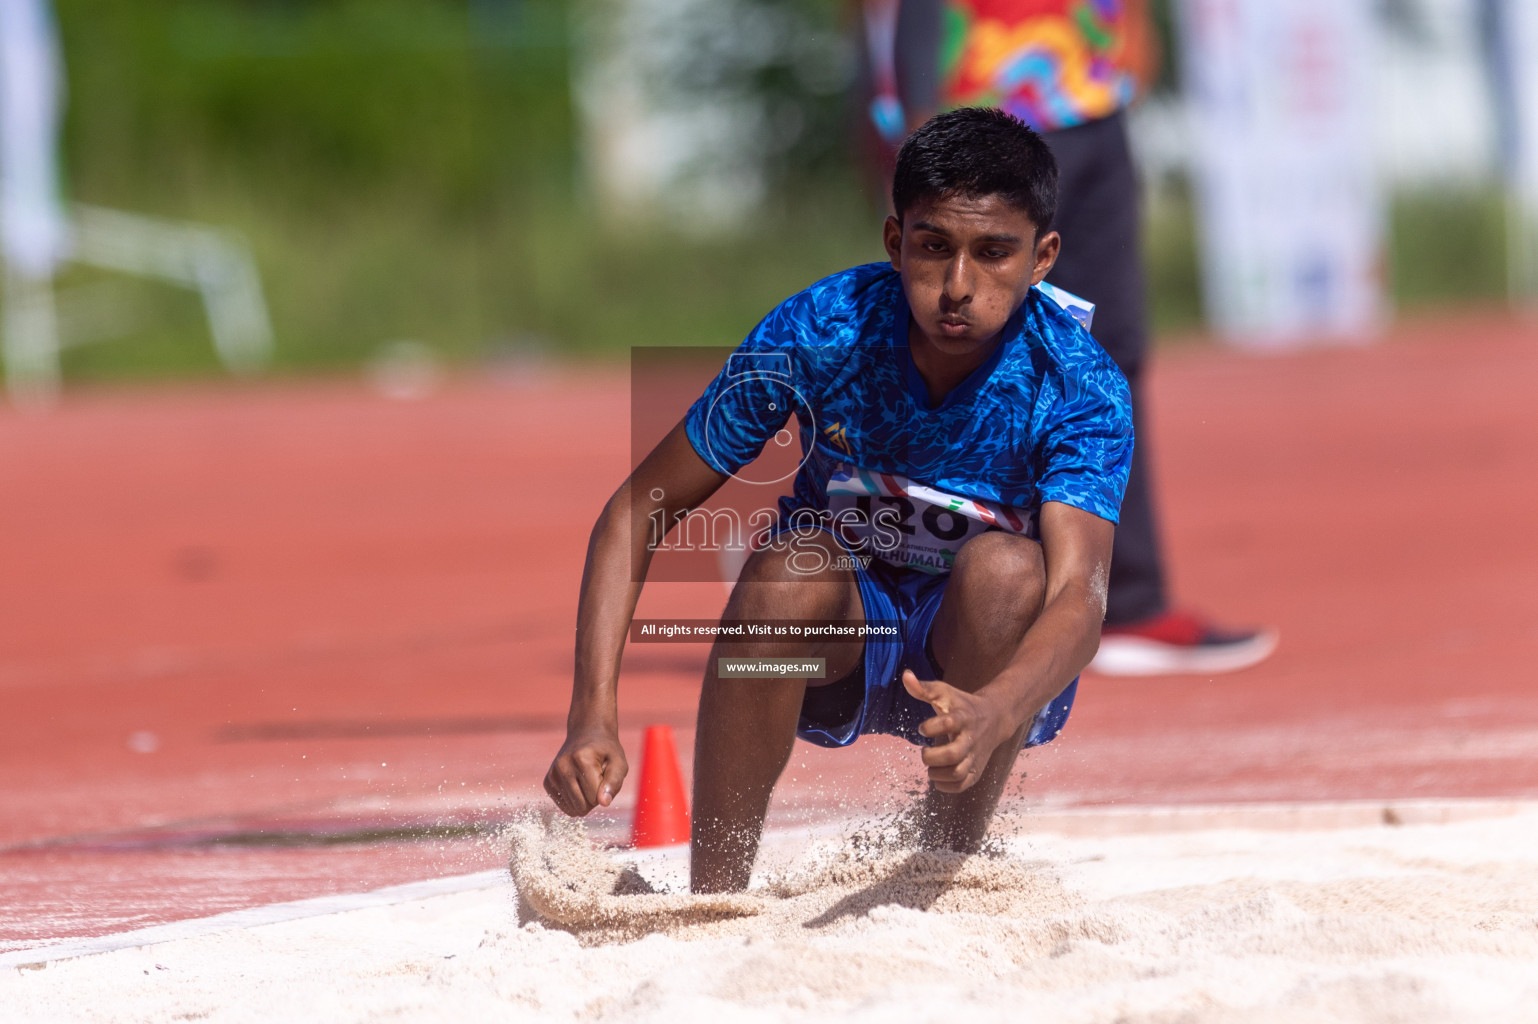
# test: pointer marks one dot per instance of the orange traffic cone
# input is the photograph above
(661, 809)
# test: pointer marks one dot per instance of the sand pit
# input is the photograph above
(1406, 923)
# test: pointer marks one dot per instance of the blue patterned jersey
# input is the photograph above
(1046, 418)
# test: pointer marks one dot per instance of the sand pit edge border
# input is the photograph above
(251, 917)
(1099, 820)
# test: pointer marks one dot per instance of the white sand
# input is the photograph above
(1388, 923)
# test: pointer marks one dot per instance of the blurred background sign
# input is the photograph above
(31, 215)
(33, 234)
(1511, 34)
(1289, 205)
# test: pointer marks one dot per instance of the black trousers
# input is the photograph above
(1101, 260)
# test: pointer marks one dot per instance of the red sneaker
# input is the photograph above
(1179, 643)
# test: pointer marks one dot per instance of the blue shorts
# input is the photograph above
(909, 599)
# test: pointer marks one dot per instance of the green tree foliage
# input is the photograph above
(410, 169)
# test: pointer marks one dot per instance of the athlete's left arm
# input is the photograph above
(1076, 546)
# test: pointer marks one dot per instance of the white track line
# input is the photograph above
(252, 917)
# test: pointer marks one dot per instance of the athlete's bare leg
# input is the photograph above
(995, 593)
(747, 726)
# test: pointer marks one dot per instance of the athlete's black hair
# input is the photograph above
(976, 152)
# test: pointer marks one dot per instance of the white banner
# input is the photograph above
(1516, 28)
(1519, 35)
(33, 231)
(1289, 209)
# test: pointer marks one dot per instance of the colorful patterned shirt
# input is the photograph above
(1046, 418)
(1051, 63)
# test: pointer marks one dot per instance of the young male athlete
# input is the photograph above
(966, 446)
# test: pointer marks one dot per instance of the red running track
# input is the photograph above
(255, 643)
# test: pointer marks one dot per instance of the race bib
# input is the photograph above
(910, 525)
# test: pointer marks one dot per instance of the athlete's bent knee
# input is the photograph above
(797, 557)
(1004, 561)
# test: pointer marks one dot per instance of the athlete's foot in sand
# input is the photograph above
(721, 855)
(959, 821)
(747, 726)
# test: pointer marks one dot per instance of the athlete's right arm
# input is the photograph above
(591, 765)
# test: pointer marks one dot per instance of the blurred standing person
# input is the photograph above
(1070, 69)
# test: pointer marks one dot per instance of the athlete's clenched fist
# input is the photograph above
(587, 772)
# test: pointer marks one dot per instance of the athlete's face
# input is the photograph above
(966, 265)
